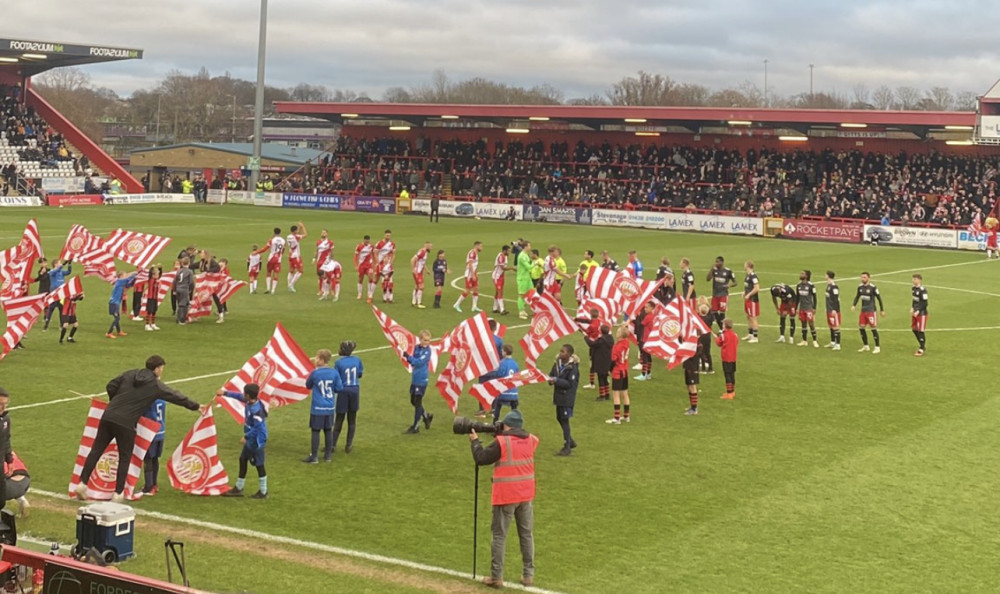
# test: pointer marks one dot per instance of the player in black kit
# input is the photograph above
(868, 294)
(833, 310)
(918, 314)
(784, 299)
(806, 295)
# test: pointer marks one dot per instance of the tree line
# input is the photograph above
(205, 108)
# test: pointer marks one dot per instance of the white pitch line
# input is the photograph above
(925, 268)
(79, 396)
(286, 540)
(944, 288)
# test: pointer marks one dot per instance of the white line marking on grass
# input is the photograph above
(79, 396)
(843, 328)
(889, 282)
(925, 268)
(304, 544)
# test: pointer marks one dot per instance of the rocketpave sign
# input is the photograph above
(913, 236)
(822, 230)
(66, 49)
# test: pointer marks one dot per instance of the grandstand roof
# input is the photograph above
(549, 117)
(270, 152)
(34, 57)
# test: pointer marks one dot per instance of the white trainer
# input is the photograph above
(149, 328)
(803, 343)
(81, 491)
(815, 344)
(781, 338)
(876, 350)
(637, 366)
(614, 421)
(753, 339)
(864, 349)
(836, 347)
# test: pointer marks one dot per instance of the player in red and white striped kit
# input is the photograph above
(295, 254)
(324, 251)
(385, 258)
(418, 264)
(364, 260)
(471, 278)
(500, 266)
(331, 272)
(274, 248)
(253, 268)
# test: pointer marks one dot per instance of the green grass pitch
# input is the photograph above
(830, 472)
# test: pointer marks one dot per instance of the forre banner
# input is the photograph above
(822, 230)
(75, 199)
(913, 236)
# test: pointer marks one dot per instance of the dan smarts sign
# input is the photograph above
(65, 49)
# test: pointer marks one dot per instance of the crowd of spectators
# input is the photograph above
(933, 188)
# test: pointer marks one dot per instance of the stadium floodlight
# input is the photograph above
(853, 125)
(538, 118)
(635, 120)
(399, 128)
(449, 117)
(793, 138)
(647, 133)
(959, 142)
(348, 115)
(34, 56)
(959, 128)
(740, 123)
(518, 130)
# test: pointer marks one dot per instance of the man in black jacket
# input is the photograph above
(130, 394)
(565, 377)
(6, 454)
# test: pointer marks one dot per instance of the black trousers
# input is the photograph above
(124, 438)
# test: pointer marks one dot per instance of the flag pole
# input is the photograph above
(475, 521)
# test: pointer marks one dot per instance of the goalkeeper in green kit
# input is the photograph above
(524, 282)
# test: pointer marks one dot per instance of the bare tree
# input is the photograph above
(861, 97)
(966, 100)
(643, 89)
(908, 97)
(594, 99)
(940, 99)
(397, 95)
(883, 98)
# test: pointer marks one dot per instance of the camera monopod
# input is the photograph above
(475, 521)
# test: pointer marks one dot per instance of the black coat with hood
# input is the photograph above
(133, 392)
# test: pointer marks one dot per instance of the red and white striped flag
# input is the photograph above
(22, 313)
(78, 242)
(63, 294)
(487, 392)
(32, 239)
(608, 311)
(102, 482)
(473, 354)
(674, 332)
(402, 340)
(229, 287)
(977, 224)
(139, 249)
(549, 323)
(630, 293)
(194, 467)
(280, 369)
(205, 285)
(17, 262)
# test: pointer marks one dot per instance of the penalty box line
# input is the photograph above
(316, 546)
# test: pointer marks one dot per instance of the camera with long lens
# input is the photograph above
(465, 426)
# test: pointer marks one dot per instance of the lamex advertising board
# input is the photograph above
(679, 221)
(912, 236)
(822, 230)
(968, 240)
(457, 208)
(557, 214)
(320, 201)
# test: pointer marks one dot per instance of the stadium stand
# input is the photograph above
(29, 147)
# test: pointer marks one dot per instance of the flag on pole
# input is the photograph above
(674, 332)
(67, 291)
(608, 310)
(402, 340)
(473, 354)
(977, 224)
(139, 249)
(549, 323)
(487, 392)
(630, 293)
(78, 242)
(17, 262)
(280, 369)
(194, 467)
(102, 482)
(22, 313)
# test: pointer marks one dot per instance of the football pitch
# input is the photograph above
(829, 472)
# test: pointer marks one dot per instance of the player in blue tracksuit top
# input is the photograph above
(254, 439)
(349, 398)
(122, 282)
(151, 463)
(498, 344)
(508, 367)
(57, 278)
(420, 361)
(325, 383)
